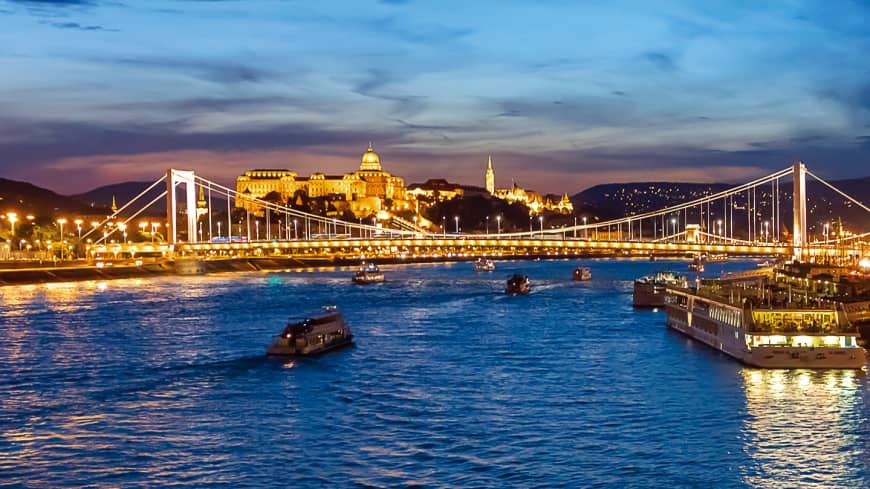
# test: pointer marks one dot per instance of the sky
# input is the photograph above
(563, 94)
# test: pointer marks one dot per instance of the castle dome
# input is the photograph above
(370, 160)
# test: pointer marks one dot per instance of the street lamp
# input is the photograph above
(674, 225)
(219, 232)
(541, 218)
(719, 224)
(766, 231)
(444, 225)
(498, 220)
(13, 217)
(487, 225)
(123, 228)
(456, 218)
(61, 222)
(826, 232)
(295, 233)
(257, 225)
(585, 229)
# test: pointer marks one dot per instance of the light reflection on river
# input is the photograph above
(451, 383)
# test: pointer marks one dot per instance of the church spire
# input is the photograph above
(114, 206)
(490, 177)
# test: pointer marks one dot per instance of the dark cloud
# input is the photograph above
(375, 83)
(662, 61)
(223, 72)
(576, 112)
(80, 27)
(59, 3)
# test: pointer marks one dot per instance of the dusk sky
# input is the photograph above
(562, 95)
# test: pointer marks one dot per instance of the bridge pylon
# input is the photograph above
(799, 198)
(173, 178)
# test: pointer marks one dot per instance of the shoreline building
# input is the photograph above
(531, 199)
(366, 191)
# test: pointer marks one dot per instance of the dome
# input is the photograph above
(370, 160)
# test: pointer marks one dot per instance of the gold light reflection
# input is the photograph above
(800, 428)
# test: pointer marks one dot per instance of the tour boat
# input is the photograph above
(582, 274)
(518, 285)
(650, 291)
(484, 265)
(368, 273)
(697, 265)
(758, 320)
(312, 336)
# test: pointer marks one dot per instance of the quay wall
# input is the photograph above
(20, 274)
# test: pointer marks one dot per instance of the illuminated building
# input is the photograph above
(531, 199)
(365, 190)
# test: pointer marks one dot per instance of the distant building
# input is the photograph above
(531, 199)
(366, 190)
(434, 190)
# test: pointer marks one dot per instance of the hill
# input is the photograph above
(625, 199)
(125, 191)
(26, 198)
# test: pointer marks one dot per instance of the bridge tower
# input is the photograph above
(174, 178)
(799, 197)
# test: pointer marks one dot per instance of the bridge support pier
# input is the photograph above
(174, 178)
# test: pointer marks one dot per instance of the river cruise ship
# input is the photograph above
(764, 320)
(484, 265)
(368, 273)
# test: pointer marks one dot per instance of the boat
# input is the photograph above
(582, 274)
(484, 265)
(696, 265)
(650, 291)
(518, 285)
(758, 320)
(715, 257)
(312, 336)
(368, 273)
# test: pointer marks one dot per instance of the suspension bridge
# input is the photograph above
(747, 219)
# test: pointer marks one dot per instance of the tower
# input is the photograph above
(799, 172)
(490, 177)
(201, 203)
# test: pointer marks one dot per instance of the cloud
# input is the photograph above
(58, 3)
(662, 61)
(77, 26)
(222, 72)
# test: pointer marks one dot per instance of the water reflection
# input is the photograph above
(801, 428)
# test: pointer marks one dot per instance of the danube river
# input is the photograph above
(450, 384)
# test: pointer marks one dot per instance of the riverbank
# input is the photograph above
(19, 274)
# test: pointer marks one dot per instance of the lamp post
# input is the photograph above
(257, 225)
(498, 220)
(155, 225)
(487, 225)
(766, 231)
(531, 233)
(674, 226)
(123, 228)
(219, 232)
(541, 219)
(295, 232)
(585, 229)
(61, 222)
(826, 232)
(13, 217)
(444, 225)
(456, 219)
(719, 225)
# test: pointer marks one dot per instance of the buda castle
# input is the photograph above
(366, 190)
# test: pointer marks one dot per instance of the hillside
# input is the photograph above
(123, 192)
(26, 198)
(625, 199)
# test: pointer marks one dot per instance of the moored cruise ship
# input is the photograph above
(763, 323)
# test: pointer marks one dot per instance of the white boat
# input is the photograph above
(368, 273)
(731, 317)
(312, 336)
(484, 265)
(650, 291)
(582, 274)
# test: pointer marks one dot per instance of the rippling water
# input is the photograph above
(450, 383)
